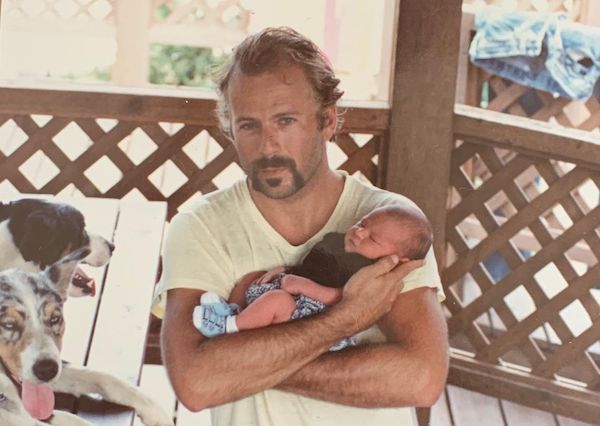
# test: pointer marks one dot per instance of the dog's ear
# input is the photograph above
(40, 243)
(61, 272)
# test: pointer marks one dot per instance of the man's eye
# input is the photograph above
(285, 121)
(246, 126)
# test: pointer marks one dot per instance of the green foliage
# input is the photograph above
(102, 73)
(183, 65)
(163, 11)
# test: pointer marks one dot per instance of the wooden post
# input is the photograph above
(426, 60)
(384, 80)
(590, 12)
(132, 25)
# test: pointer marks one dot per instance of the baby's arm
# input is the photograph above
(295, 284)
(238, 294)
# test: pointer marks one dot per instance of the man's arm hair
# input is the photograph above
(209, 372)
(409, 370)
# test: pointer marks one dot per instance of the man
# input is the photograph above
(278, 105)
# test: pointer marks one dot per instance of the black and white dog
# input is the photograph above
(35, 233)
(31, 330)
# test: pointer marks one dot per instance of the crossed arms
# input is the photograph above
(409, 370)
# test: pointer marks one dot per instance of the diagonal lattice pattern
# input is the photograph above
(230, 13)
(154, 160)
(571, 7)
(523, 101)
(75, 10)
(514, 293)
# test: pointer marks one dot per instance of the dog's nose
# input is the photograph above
(45, 369)
(111, 246)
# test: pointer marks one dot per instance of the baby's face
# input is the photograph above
(372, 237)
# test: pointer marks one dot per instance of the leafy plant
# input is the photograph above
(183, 65)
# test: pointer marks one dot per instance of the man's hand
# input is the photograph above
(373, 289)
(409, 370)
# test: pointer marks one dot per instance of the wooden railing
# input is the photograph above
(118, 145)
(524, 291)
(522, 242)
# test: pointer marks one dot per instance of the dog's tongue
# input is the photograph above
(38, 400)
(82, 284)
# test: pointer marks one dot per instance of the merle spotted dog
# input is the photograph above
(35, 233)
(31, 330)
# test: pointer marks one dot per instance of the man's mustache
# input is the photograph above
(274, 162)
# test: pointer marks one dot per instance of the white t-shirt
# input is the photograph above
(223, 237)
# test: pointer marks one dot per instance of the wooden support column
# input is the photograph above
(426, 60)
(590, 12)
(132, 25)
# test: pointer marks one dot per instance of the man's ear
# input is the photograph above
(38, 238)
(329, 122)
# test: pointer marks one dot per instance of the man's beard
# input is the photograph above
(272, 187)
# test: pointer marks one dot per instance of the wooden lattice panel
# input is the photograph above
(515, 99)
(571, 7)
(522, 281)
(74, 10)
(76, 151)
(220, 13)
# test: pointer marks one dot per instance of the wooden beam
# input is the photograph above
(156, 105)
(425, 72)
(139, 107)
(519, 386)
(528, 136)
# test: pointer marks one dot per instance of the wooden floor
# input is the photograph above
(456, 407)
(461, 407)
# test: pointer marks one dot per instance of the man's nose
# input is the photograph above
(270, 142)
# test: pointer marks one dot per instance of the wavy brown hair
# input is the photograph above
(269, 49)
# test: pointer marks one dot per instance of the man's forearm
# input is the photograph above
(409, 371)
(380, 375)
(211, 372)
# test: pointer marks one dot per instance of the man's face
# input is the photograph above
(276, 129)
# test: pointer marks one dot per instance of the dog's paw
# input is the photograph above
(153, 415)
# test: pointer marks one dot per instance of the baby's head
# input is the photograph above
(401, 230)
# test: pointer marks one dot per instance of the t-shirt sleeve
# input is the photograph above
(192, 258)
(425, 276)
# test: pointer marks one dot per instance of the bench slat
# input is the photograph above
(80, 313)
(122, 322)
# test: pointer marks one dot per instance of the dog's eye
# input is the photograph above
(9, 325)
(55, 319)
(2, 397)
